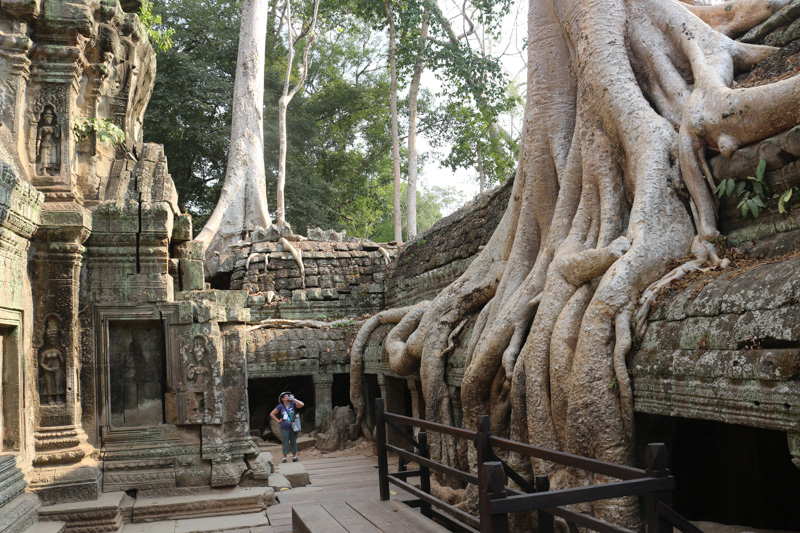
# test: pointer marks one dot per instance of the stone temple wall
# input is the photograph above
(436, 257)
(108, 341)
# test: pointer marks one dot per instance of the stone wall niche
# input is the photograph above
(137, 363)
(136, 358)
(11, 392)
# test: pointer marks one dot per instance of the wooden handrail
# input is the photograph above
(496, 500)
(432, 426)
(588, 464)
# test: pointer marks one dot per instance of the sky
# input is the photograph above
(513, 59)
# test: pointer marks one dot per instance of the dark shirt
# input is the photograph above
(286, 415)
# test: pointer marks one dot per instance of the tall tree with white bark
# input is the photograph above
(242, 205)
(624, 98)
(396, 213)
(293, 37)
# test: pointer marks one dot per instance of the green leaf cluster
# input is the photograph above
(105, 131)
(754, 192)
(159, 35)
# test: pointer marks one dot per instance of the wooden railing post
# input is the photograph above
(482, 446)
(493, 487)
(383, 460)
(424, 472)
(657, 459)
(546, 521)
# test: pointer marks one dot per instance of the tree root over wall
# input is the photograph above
(624, 99)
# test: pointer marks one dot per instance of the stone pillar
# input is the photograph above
(323, 385)
(455, 402)
(65, 468)
(393, 394)
(15, 46)
(417, 407)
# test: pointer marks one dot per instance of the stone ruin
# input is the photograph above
(124, 371)
(131, 363)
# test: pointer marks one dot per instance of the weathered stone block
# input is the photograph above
(191, 274)
(299, 296)
(182, 229)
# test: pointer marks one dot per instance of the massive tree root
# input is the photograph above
(625, 98)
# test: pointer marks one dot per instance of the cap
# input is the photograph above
(285, 393)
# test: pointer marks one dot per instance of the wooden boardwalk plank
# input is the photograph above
(412, 517)
(380, 517)
(314, 519)
(349, 518)
(335, 482)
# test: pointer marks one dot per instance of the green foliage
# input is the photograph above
(105, 131)
(429, 211)
(754, 192)
(784, 199)
(160, 36)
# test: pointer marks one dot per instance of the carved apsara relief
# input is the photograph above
(198, 356)
(47, 117)
(48, 144)
(52, 364)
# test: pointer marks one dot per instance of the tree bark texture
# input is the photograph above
(396, 209)
(413, 159)
(286, 98)
(243, 202)
(624, 98)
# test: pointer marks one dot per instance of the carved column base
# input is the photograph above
(794, 448)
(227, 473)
(259, 466)
(64, 467)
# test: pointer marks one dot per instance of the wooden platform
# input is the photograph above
(345, 481)
(364, 516)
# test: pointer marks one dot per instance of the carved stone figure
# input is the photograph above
(51, 363)
(48, 137)
(198, 372)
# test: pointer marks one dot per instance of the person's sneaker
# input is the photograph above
(295, 460)
(284, 460)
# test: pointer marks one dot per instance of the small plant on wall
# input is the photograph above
(106, 131)
(753, 192)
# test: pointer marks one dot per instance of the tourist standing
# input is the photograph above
(287, 410)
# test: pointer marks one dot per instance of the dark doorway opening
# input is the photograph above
(340, 390)
(725, 473)
(263, 395)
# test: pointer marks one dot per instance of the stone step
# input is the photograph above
(251, 522)
(19, 514)
(218, 502)
(47, 527)
(102, 515)
(279, 483)
(295, 473)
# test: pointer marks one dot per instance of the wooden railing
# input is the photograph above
(497, 500)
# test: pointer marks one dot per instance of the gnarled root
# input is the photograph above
(626, 98)
(390, 316)
(736, 16)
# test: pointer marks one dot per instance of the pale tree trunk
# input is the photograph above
(413, 96)
(624, 97)
(242, 205)
(481, 174)
(396, 210)
(286, 98)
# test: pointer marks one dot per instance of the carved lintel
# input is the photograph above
(794, 447)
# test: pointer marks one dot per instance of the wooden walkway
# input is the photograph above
(336, 481)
